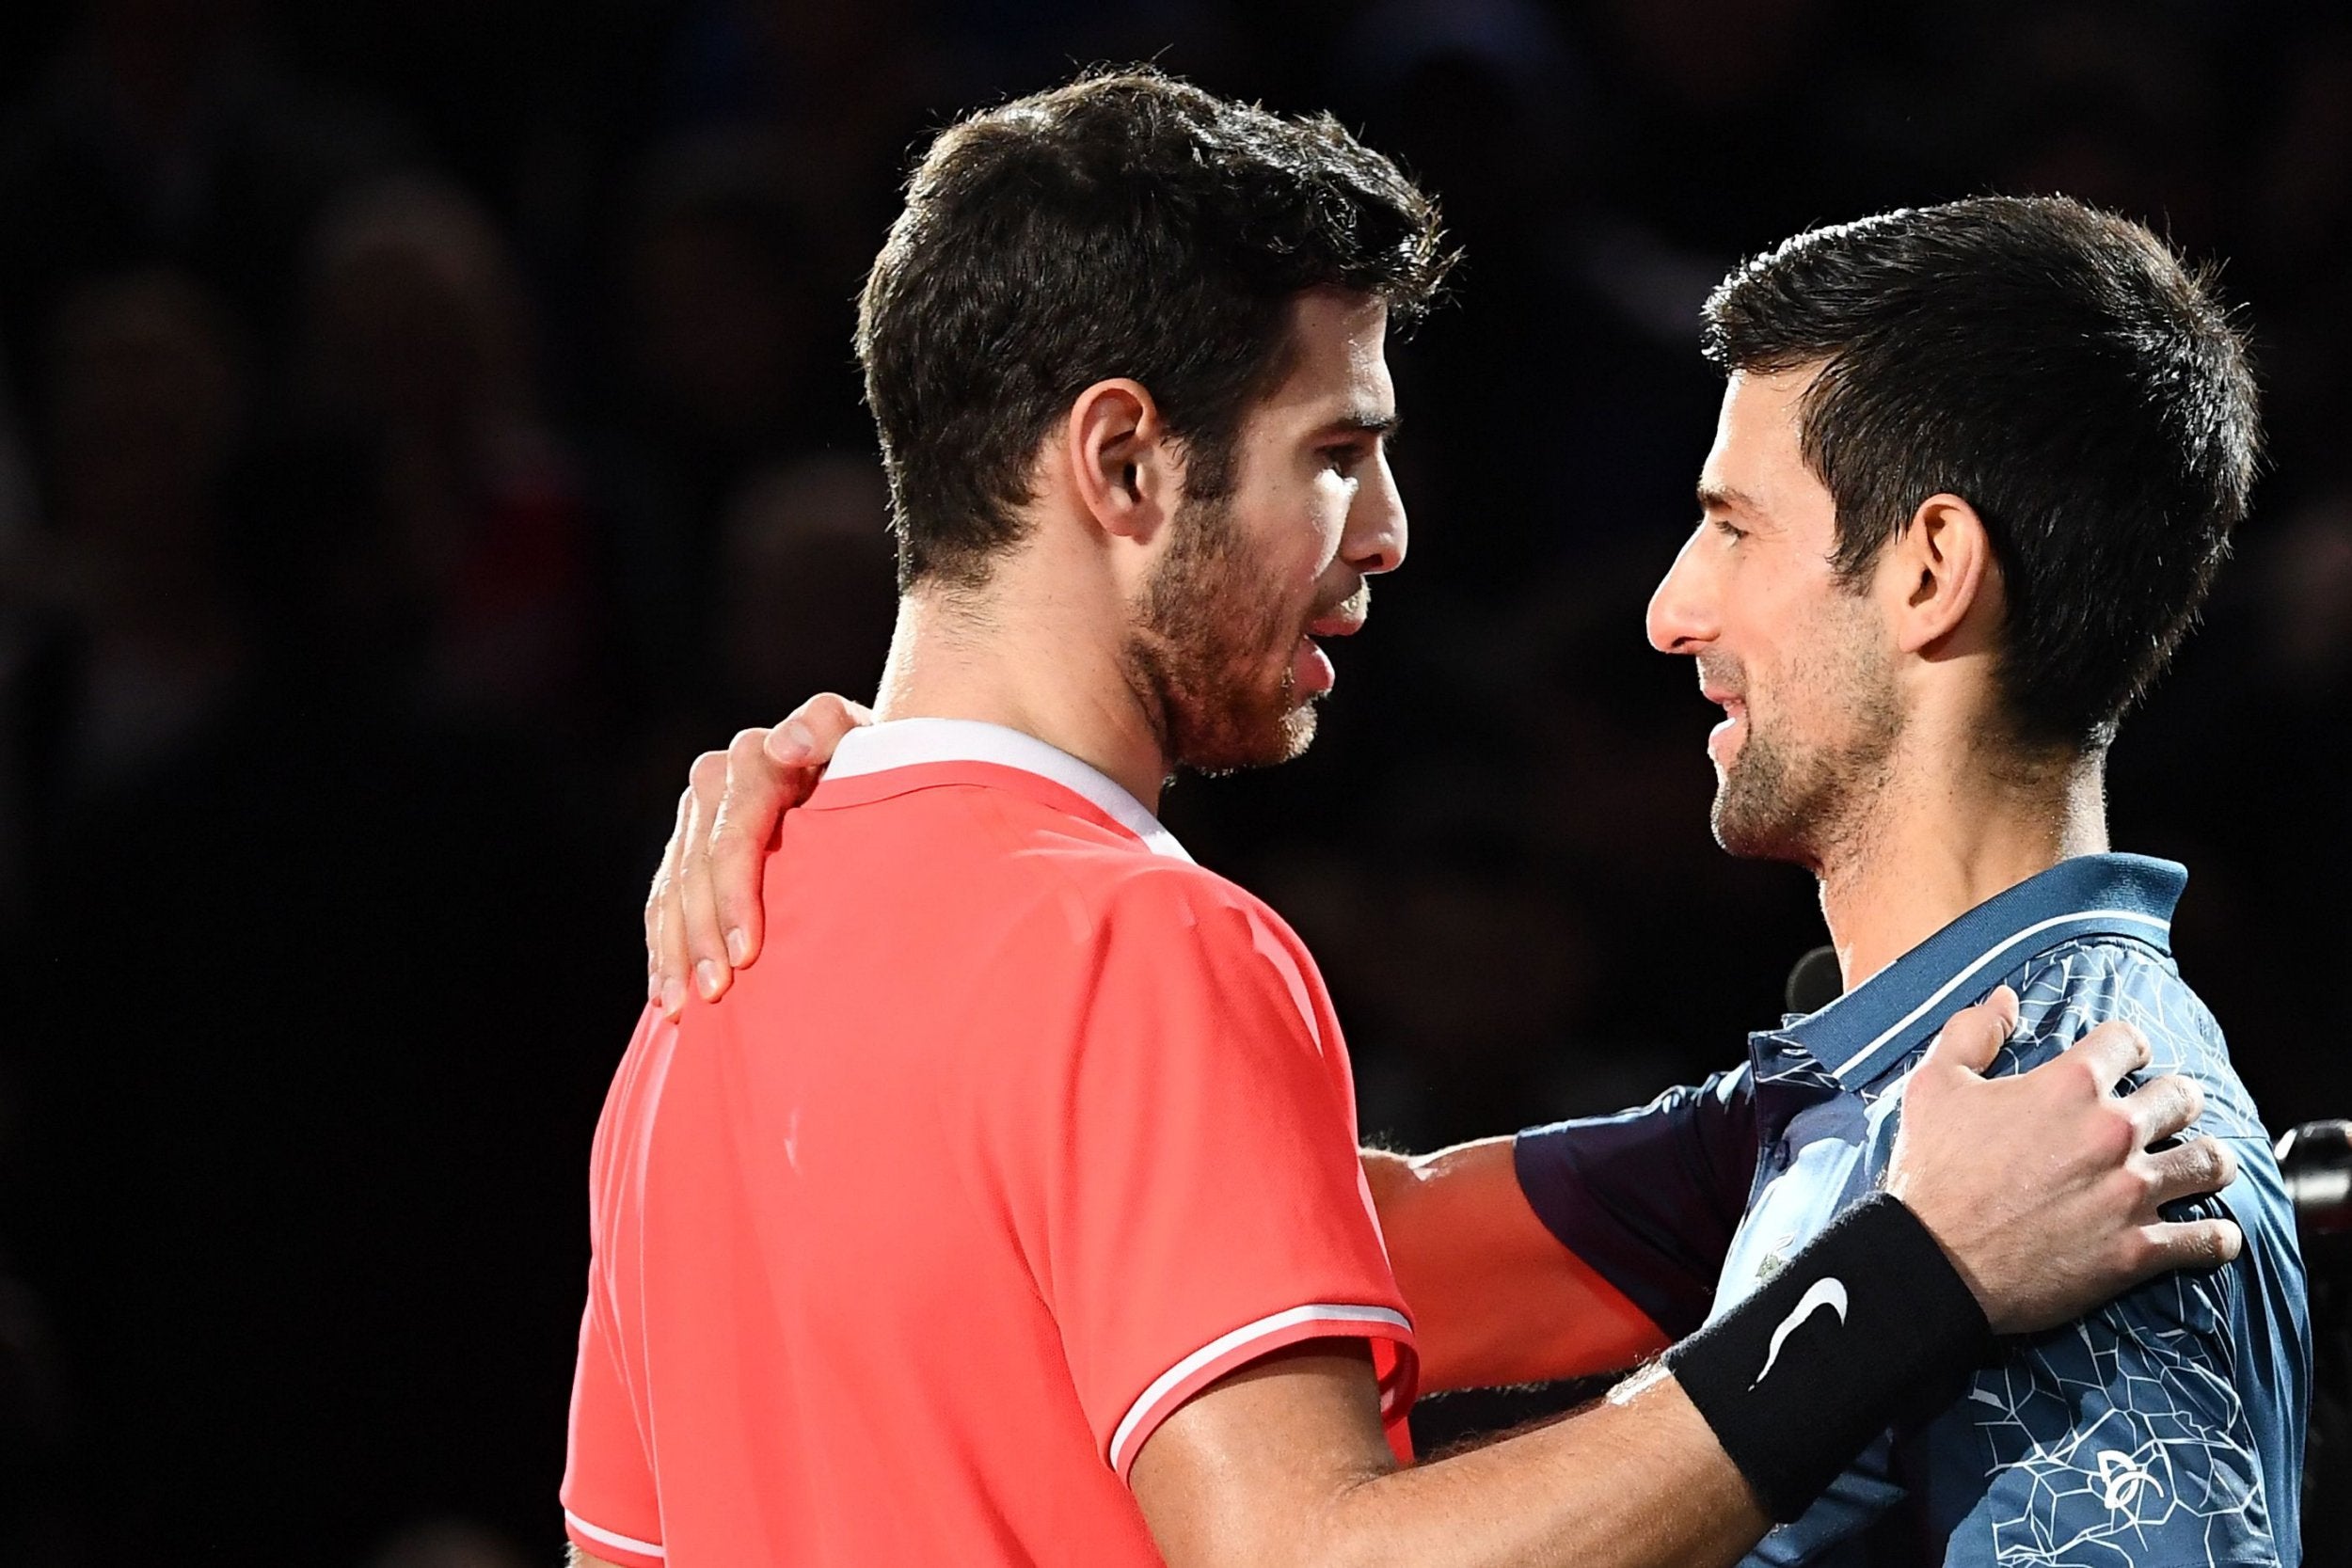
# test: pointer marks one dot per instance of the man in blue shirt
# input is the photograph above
(1975, 468)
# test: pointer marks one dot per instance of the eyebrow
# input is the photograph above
(1723, 498)
(1363, 421)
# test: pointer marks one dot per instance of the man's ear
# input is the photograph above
(1940, 573)
(1124, 468)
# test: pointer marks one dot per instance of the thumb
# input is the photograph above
(1975, 1035)
(809, 736)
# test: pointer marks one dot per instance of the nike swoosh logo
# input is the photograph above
(1829, 1292)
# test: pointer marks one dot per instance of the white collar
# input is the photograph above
(909, 742)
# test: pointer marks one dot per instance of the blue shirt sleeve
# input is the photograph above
(2125, 1437)
(2166, 1427)
(1649, 1198)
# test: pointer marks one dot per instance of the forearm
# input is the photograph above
(1280, 1466)
(1637, 1482)
(1495, 1298)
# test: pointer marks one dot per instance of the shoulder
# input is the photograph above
(1188, 985)
(1041, 906)
(1722, 1105)
(1105, 886)
(2066, 991)
(1197, 925)
(1137, 930)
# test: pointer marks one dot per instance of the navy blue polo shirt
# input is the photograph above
(2163, 1430)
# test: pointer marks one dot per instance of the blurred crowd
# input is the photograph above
(425, 424)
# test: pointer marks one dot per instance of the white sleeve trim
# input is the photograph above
(614, 1538)
(1225, 1345)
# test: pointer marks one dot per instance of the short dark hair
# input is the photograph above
(1126, 223)
(2057, 368)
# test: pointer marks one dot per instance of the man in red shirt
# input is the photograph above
(900, 1208)
(1009, 1211)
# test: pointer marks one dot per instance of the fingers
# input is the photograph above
(2188, 1244)
(703, 918)
(1975, 1035)
(665, 928)
(654, 897)
(757, 791)
(2162, 1107)
(2191, 1169)
(698, 909)
(808, 738)
(2113, 1051)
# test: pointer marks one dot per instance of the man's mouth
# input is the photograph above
(1312, 675)
(1724, 739)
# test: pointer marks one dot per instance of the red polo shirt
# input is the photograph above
(1024, 1130)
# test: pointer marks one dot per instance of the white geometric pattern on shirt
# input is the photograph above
(2122, 1434)
(2106, 1451)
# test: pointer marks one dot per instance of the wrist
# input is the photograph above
(1868, 1321)
(1949, 1236)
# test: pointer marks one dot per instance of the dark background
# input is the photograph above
(425, 425)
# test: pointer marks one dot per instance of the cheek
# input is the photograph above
(1772, 629)
(1304, 540)
(1821, 674)
(1324, 527)
(1290, 536)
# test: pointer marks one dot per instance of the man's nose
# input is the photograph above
(1681, 617)
(1375, 523)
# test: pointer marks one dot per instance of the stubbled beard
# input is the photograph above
(1211, 623)
(1810, 805)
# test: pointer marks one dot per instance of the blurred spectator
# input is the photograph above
(738, 337)
(416, 350)
(149, 409)
(735, 359)
(288, 1248)
(165, 132)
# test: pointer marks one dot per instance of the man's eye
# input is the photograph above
(1728, 530)
(1342, 460)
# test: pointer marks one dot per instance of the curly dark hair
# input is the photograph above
(1126, 223)
(2057, 368)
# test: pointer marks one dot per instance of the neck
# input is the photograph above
(1049, 664)
(1939, 846)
